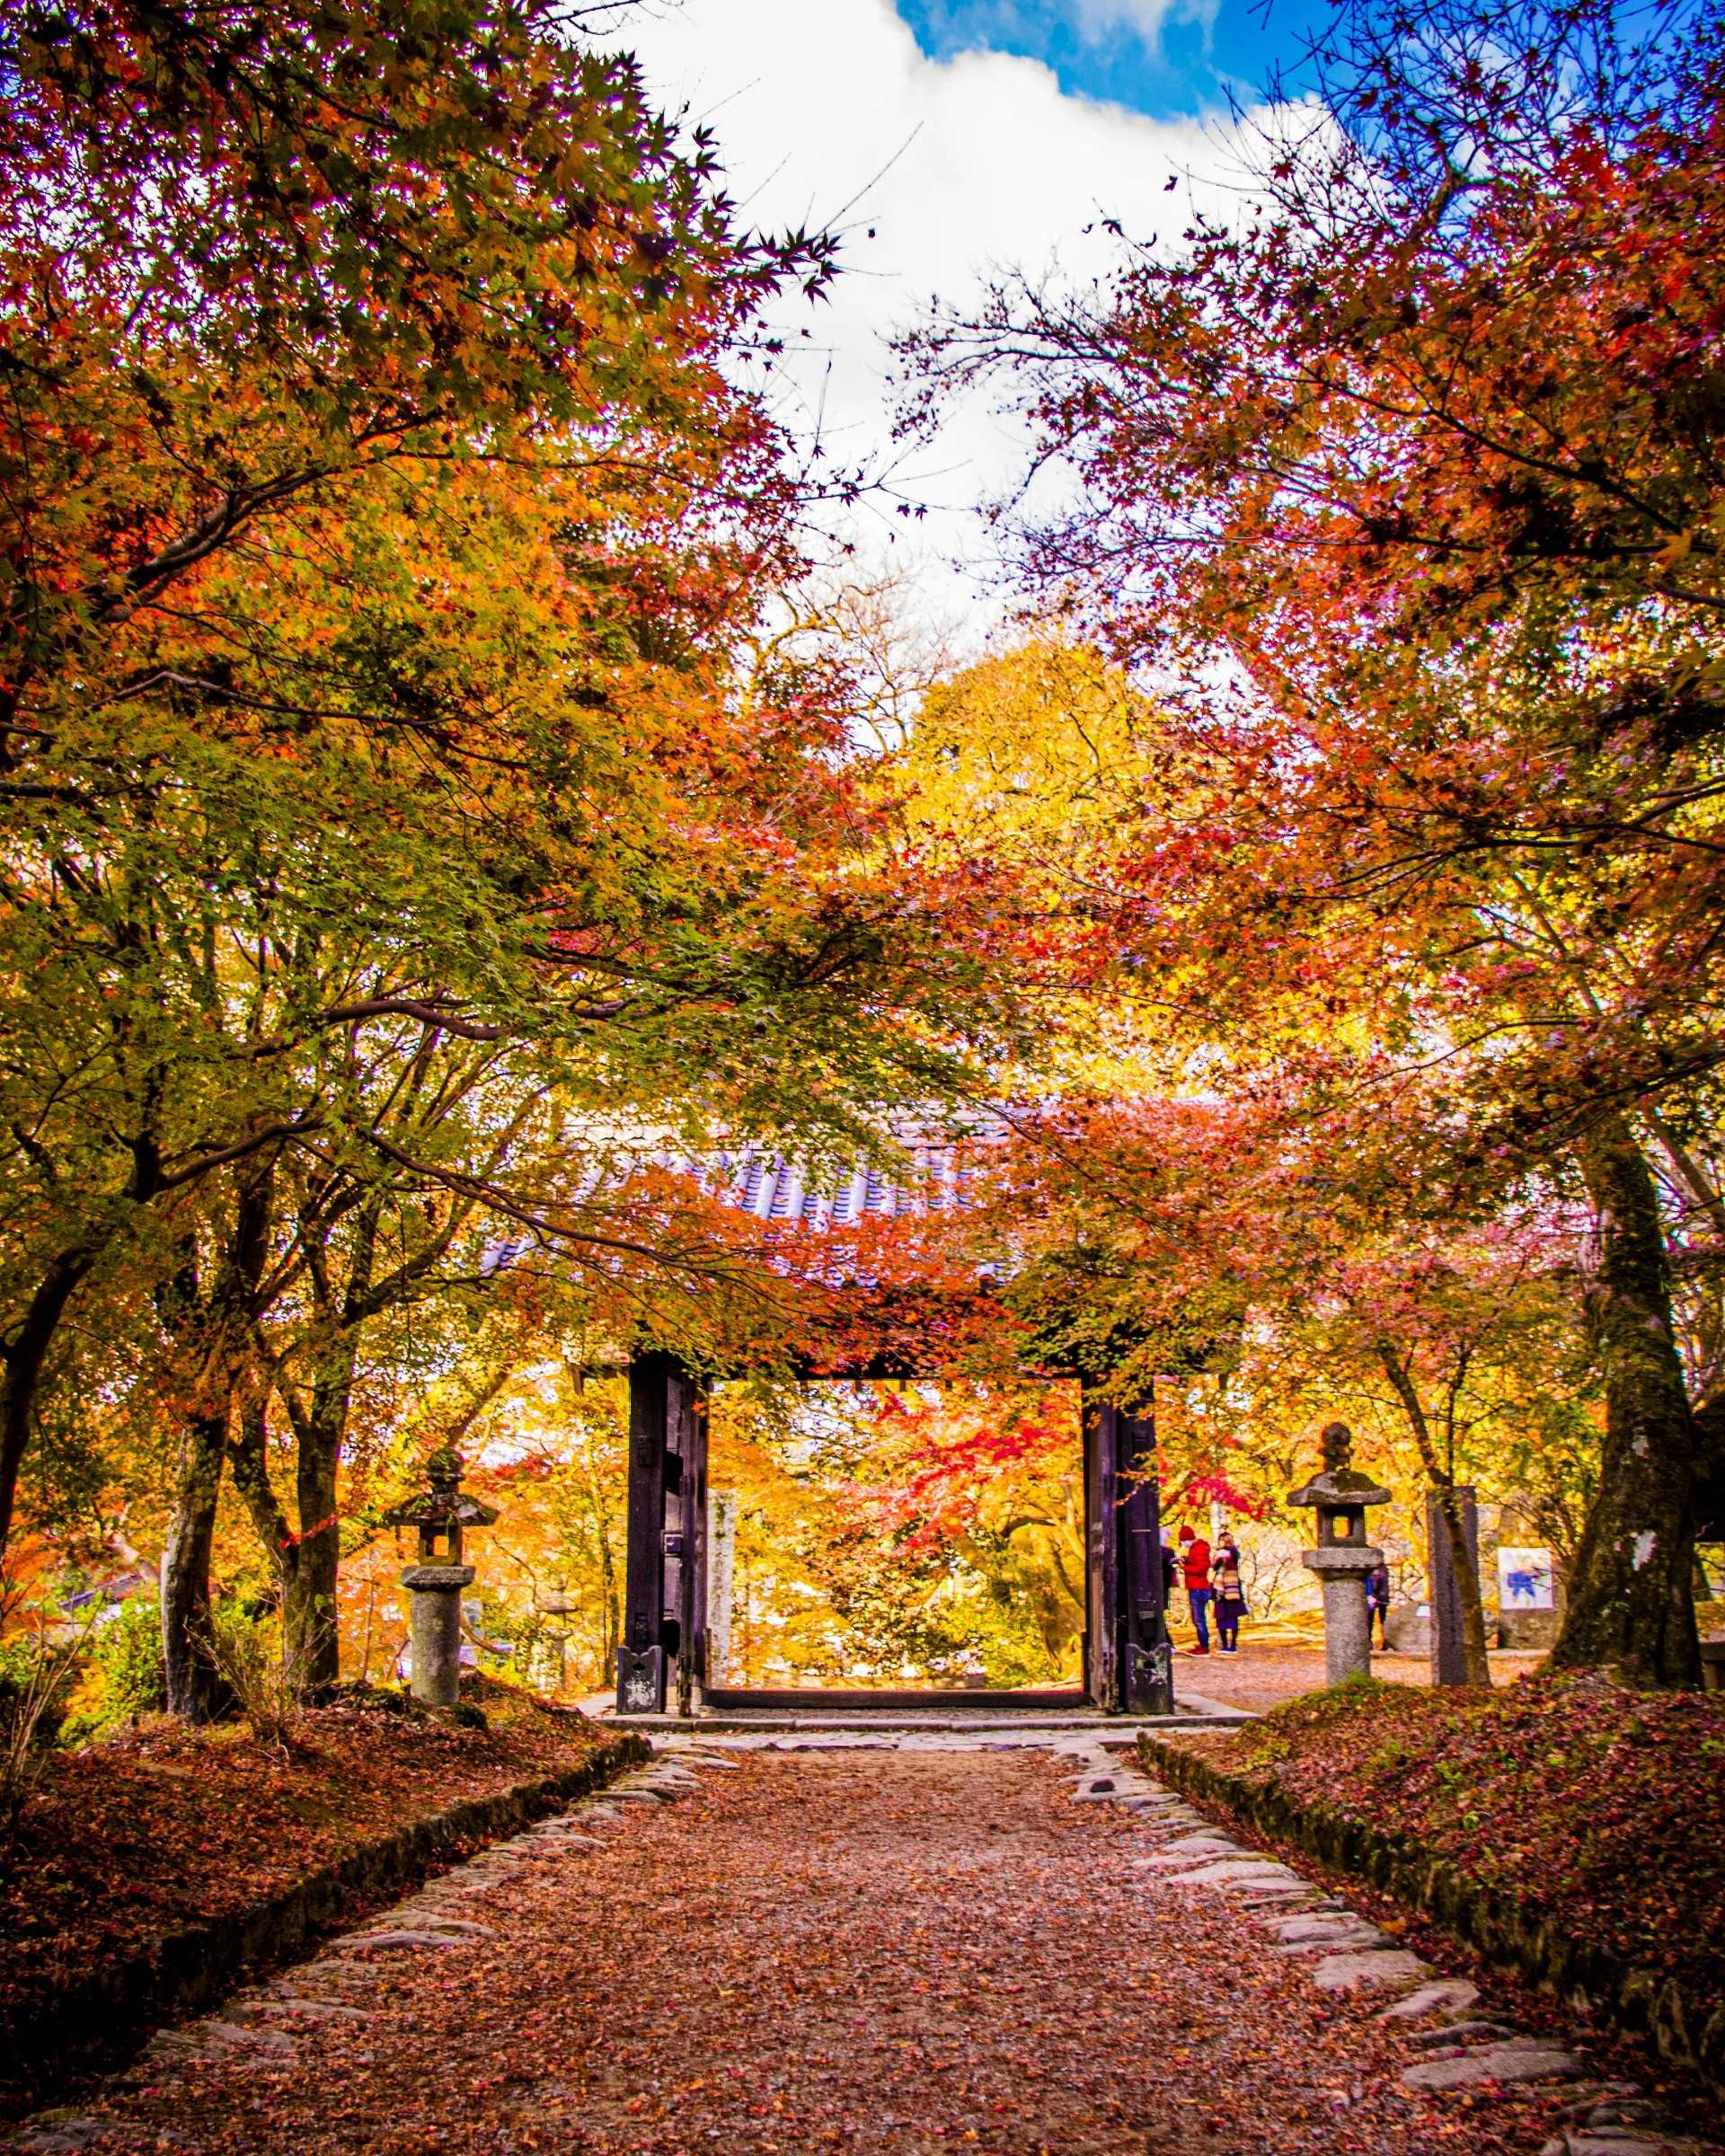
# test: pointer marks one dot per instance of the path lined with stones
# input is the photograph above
(1015, 1946)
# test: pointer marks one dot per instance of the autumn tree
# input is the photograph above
(388, 811)
(1287, 1216)
(248, 272)
(1409, 474)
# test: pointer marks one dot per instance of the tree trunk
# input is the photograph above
(209, 1330)
(1467, 1581)
(21, 1369)
(250, 1451)
(251, 1464)
(25, 1350)
(313, 1644)
(1629, 1607)
(1400, 1373)
(195, 1687)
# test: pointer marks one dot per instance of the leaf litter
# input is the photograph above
(893, 1951)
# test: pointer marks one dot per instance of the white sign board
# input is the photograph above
(1524, 1580)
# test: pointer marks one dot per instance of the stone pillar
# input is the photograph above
(721, 1559)
(434, 1620)
(1346, 1626)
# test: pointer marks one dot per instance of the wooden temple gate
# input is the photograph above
(662, 1662)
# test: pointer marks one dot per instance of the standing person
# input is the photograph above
(1170, 1575)
(1378, 1604)
(1195, 1560)
(1230, 1594)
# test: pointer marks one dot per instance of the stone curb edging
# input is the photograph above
(1686, 2029)
(183, 1972)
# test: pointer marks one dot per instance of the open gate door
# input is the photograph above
(664, 1593)
(1129, 1662)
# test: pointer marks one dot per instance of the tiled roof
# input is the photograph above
(772, 1187)
(939, 1171)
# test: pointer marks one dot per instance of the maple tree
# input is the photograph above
(1408, 473)
(246, 272)
(392, 810)
(437, 808)
(1291, 1212)
(1465, 1352)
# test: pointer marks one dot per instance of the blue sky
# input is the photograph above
(1165, 57)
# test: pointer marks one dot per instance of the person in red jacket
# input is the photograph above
(1195, 1562)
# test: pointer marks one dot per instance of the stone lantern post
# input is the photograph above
(1343, 1556)
(440, 1513)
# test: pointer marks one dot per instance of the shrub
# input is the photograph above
(247, 1652)
(120, 1678)
(33, 1680)
(126, 1655)
(34, 1674)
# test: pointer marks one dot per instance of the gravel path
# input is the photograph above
(863, 1950)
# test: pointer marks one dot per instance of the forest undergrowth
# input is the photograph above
(161, 1828)
(1600, 1807)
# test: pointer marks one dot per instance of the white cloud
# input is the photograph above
(827, 112)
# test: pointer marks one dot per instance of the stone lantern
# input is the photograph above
(1343, 1556)
(440, 1513)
